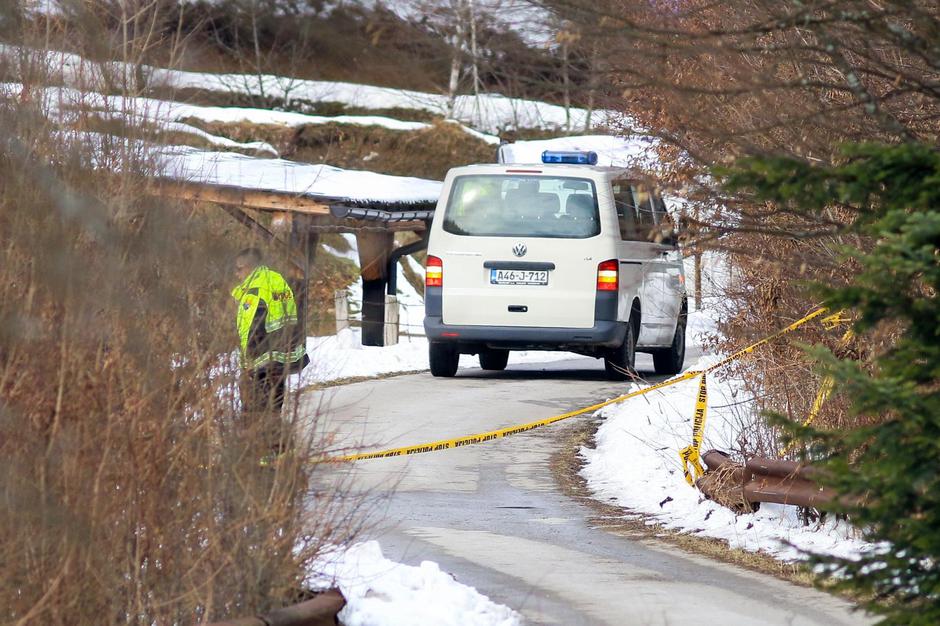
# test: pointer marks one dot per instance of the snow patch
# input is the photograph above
(381, 592)
(229, 168)
(488, 112)
(635, 462)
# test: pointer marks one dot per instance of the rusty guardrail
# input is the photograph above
(744, 487)
(319, 611)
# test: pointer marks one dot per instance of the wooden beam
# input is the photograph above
(374, 248)
(298, 261)
(246, 198)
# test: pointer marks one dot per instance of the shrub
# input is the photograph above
(887, 464)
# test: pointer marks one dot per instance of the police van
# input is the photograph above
(562, 255)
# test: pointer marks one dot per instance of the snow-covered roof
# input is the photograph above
(230, 169)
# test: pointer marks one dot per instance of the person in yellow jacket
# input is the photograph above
(271, 342)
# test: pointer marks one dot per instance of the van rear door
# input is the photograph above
(519, 250)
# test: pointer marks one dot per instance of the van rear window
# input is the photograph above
(522, 206)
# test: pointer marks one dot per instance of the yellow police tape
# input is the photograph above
(448, 444)
(690, 454)
(827, 384)
(459, 442)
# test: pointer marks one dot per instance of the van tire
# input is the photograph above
(494, 359)
(443, 358)
(670, 360)
(620, 364)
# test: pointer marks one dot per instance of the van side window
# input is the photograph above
(659, 208)
(646, 220)
(626, 209)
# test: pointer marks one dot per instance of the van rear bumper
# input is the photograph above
(604, 334)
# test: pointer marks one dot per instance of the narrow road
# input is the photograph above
(492, 515)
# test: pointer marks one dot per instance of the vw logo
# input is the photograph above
(519, 249)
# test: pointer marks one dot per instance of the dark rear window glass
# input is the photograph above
(522, 206)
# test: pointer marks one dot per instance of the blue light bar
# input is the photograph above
(575, 158)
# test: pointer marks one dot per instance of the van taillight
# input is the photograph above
(607, 275)
(434, 272)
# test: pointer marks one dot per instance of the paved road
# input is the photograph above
(492, 515)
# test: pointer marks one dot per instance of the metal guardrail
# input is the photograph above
(319, 611)
(744, 487)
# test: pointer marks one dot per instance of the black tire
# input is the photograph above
(670, 360)
(621, 362)
(443, 358)
(494, 359)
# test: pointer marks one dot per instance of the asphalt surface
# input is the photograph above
(493, 516)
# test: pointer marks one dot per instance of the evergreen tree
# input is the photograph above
(888, 465)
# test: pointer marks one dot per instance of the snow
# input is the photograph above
(635, 462)
(636, 465)
(381, 592)
(171, 115)
(230, 168)
(339, 356)
(490, 112)
(259, 147)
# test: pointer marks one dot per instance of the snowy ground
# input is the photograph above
(380, 592)
(635, 462)
(172, 116)
(489, 113)
(343, 356)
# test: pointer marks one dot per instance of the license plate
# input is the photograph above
(518, 277)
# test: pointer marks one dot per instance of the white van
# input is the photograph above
(561, 255)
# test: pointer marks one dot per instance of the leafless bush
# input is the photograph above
(130, 484)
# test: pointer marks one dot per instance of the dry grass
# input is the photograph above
(426, 153)
(130, 486)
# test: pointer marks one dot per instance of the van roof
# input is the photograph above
(567, 168)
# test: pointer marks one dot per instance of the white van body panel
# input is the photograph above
(470, 299)
(650, 274)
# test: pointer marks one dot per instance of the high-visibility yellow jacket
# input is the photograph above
(267, 320)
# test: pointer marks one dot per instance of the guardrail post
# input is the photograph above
(320, 611)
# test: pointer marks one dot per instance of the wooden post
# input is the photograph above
(305, 242)
(341, 305)
(391, 320)
(698, 280)
(374, 249)
(698, 262)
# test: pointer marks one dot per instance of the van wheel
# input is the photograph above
(491, 359)
(443, 358)
(670, 360)
(621, 362)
